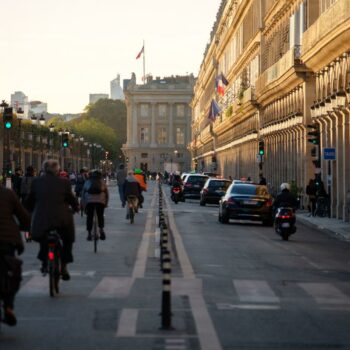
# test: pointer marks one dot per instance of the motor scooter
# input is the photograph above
(176, 193)
(285, 222)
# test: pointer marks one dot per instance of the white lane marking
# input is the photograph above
(175, 341)
(37, 285)
(184, 260)
(222, 306)
(208, 337)
(142, 254)
(127, 323)
(31, 273)
(325, 293)
(41, 319)
(175, 347)
(255, 291)
(112, 287)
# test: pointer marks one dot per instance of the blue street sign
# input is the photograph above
(329, 154)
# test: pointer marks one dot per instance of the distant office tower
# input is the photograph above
(20, 100)
(116, 89)
(93, 98)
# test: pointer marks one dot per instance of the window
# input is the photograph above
(144, 138)
(162, 136)
(180, 110)
(162, 110)
(144, 110)
(180, 136)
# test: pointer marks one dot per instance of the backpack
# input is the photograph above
(10, 275)
(95, 186)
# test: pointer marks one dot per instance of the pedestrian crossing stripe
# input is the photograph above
(255, 291)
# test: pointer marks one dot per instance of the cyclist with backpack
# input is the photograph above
(10, 242)
(95, 197)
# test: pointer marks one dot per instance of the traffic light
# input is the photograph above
(8, 118)
(314, 133)
(127, 159)
(65, 140)
(261, 148)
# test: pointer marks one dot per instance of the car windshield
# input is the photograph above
(249, 189)
(219, 184)
(197, 179)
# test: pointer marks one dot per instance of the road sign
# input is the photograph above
(329, 154)
(259, 158)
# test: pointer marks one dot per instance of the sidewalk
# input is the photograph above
(335, 227)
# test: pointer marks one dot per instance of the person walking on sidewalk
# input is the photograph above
(311, 192)
(121, 176)
(95, 197)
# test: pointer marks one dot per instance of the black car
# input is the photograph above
(193, 184)
(213, 190)
(246, 201)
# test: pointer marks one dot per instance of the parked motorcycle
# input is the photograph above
(285, 222)
(176, 194)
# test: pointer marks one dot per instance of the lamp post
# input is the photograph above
(81, 142)
(6, 142)
(51, 129)
(34, 120)
(19, 118)
(42, 123)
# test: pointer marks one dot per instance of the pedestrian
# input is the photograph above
(311, 192)
(13, 217)
(95, 197)
(26, 183)
(121, 175)
(51, 202)
(16, 180)
(262, 180)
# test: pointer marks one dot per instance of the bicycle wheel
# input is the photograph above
(95, 231)
(131, 215)
(57, 273)
(52, 280)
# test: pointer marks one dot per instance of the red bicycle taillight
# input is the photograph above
(284, 217)
(51, 256)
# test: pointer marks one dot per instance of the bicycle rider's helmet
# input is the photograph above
(285, 186)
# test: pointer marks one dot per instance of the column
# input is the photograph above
(346, 163)
(339, 166)
(171, 125)
(134, 127)
(153, 125)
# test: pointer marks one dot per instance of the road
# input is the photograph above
(236, 286)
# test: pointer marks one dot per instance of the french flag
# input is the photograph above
(214, 111)
(220, 83)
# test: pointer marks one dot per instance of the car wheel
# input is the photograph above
(225, 219)
(202, 203)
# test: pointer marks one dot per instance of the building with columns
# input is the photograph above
(159, 123)
(288, 66)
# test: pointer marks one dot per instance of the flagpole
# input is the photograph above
(144, 62)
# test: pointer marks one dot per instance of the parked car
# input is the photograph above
(213, 190)
(193, 184)
(246, 201)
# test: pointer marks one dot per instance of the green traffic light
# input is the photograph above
(65, 144)
(261, 152)
(8, 125)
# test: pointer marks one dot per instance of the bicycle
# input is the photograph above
(322, 207)
(132, 205)
(54, 261)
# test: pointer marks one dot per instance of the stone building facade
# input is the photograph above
(159, 123)
(288, 66)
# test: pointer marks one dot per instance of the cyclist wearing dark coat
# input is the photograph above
(10, 239)
(51, 201)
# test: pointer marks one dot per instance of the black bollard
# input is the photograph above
(166, 296)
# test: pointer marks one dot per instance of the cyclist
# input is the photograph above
(51, 201)
(132, 192)
(95, 197)
(11, 240)
(140, 177)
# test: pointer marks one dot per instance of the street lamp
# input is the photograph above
(34, 120)
(42, 123)
(6, 143)
(19, 118)
(51, 129)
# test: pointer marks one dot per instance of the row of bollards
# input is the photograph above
(165, 265)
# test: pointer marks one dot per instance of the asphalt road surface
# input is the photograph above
(235, 286)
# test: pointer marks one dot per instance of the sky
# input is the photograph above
(60, 51)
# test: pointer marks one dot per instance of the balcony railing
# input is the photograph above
(287, 61)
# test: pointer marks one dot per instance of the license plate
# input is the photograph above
(250, 202)
(285, 224)
(196, 186)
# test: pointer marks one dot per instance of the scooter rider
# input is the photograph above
(285, 198)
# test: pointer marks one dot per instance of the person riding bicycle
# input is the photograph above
(11, 240)
(95, 197)
(52, 204)
(140, 177)
(132, 192)
(285, 198)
